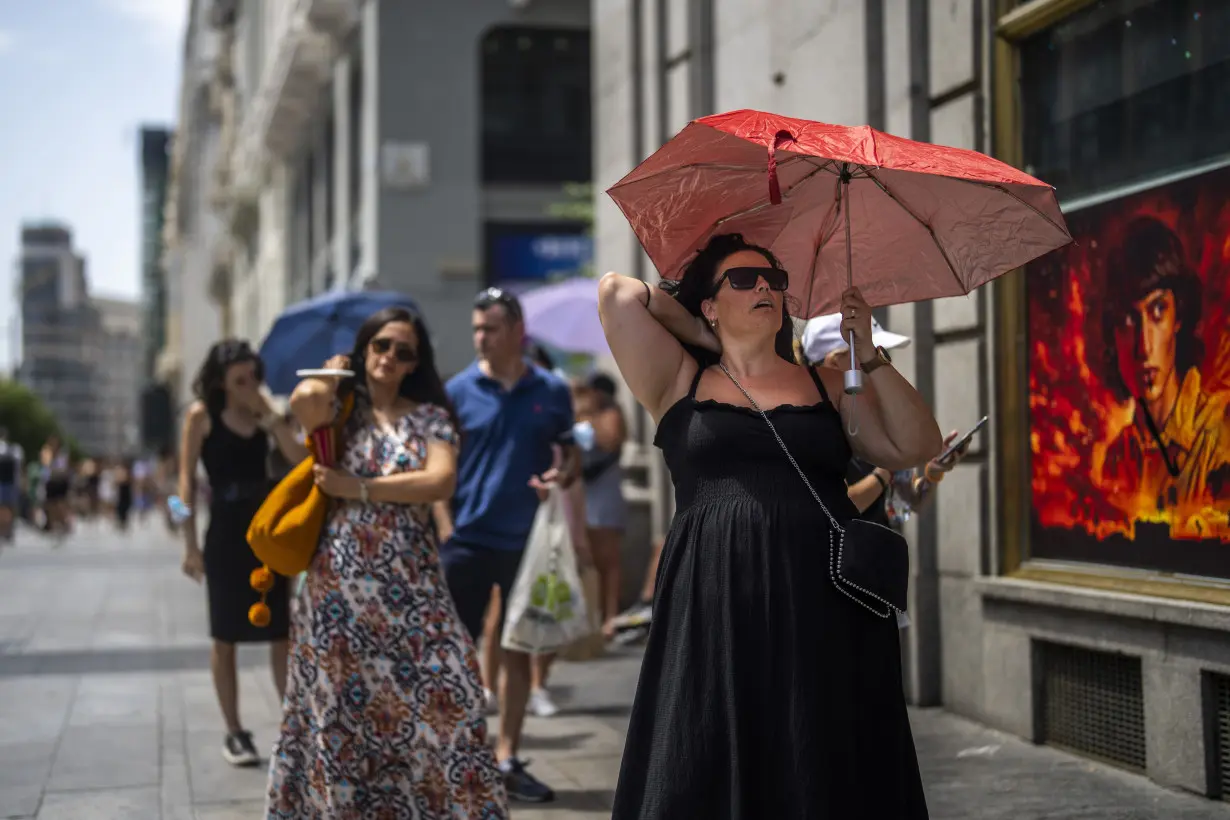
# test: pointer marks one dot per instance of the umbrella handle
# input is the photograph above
(854, 376)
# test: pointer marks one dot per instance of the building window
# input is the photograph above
(535, 105)
(1125, 90)
(1125, 111)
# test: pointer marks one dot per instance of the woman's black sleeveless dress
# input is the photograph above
(764, 692)
(238, 483)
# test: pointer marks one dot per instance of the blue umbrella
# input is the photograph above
(308, 333)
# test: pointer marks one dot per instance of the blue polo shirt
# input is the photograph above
(506, 438)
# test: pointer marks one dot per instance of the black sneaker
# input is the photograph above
(523, 786)
(238, 750)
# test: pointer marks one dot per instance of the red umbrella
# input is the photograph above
(840, 206)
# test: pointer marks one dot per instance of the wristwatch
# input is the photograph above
(879, 360)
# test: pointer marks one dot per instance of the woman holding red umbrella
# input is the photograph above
(763, 693)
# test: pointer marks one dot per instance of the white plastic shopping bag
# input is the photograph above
(546, 606)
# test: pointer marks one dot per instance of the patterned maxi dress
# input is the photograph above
(384, 711)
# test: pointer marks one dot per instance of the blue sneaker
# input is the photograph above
(523, 786)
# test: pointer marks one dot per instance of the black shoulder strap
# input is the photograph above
(815, 376)
(700, 371)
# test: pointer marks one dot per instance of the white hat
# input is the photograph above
(822, 335)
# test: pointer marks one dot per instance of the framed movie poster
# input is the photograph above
(1129, 383)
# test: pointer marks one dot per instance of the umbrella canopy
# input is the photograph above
(902, 220)
(309, 332)
(565, 315)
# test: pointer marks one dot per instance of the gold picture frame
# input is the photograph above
(1008, 299)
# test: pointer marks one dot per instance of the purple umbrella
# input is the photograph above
(565, 315)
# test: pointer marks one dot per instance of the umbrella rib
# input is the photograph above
(824, 240)
(930, 230)
(762, 205)
(996, 187)
(714, 166)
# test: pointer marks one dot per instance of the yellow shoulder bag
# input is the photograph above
(286, 529)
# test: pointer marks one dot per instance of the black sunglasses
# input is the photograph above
(496, 296)
(403, 353)
(746, 278)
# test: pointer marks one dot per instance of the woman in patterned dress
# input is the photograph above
(383, 715)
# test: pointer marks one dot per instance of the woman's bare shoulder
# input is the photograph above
(197, 414)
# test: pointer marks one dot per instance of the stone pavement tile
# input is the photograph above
(33, 710)
(258, 704)
(106, 757)
(115, 699)
(112, 804)
(212, 778)
(974, 773)
(175, 789)
(243, 810)
(595, 779)
(569, 736)
(24, 769)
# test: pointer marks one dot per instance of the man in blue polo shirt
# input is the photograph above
(513, 414)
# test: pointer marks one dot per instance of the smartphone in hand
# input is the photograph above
(961, 442)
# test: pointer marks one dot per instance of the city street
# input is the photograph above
(107, 711)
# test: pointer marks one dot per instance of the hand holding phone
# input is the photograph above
(959, 443)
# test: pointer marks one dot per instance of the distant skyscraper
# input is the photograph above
(154, 403)
(155, 164)
(81, 356)
(56, 319)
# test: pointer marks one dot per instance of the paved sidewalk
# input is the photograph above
(107, 712)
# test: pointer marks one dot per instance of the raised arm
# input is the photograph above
(644, 328)
(895, 427)
(311, 402)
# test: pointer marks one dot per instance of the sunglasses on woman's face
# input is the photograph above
(402, 352)
(746, 278)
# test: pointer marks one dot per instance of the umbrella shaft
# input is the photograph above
(845, 207)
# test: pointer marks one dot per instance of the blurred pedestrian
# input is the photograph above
(227, 429)
(11, 457)
(123, 493)
(606, 511)
(56, 486)
(166, 483)
(512, 413)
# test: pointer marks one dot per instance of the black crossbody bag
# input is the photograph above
(868, 563)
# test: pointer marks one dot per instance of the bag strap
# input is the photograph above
(782, 444)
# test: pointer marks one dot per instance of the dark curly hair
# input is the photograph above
(1150, 258)
(423, 385)
(209, 384)
(696, 285)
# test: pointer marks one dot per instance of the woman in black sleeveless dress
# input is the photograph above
(228, 431)
(765, 692)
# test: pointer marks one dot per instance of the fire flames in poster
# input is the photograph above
(1129, 383)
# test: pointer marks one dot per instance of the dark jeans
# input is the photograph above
(471, 572)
